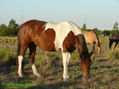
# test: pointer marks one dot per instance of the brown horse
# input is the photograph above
(65, 36)
(113, 38)
(91, 37)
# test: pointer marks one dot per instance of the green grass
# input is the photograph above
(7, 56)
(104, 73)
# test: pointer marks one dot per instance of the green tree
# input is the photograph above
(13, 27)
(115, 27)
(3, 26)
(4, 31)
(84, 27)
(99, 32)
(10, 30)
(106, 32)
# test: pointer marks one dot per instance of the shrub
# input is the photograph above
(7, 56)
(114, 54)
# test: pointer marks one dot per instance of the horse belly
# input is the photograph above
(46, 46)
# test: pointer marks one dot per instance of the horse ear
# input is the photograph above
(90, 54)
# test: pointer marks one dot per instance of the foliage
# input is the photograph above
(113, 54)
(99, 32)
(108, 32)
(104, 72)
(115, 27)
(84, 27)
(10, 30)
(7, 56)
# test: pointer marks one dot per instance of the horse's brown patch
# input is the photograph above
(46, 40)
(69, 43)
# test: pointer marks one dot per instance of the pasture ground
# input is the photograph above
(104, 73)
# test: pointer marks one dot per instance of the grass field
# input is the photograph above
(104, 73)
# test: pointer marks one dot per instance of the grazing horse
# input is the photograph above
(113, 38)
(65, 36)
(91, 37)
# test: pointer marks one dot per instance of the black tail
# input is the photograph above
(18, 50)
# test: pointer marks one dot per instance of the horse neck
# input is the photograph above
(82, 47)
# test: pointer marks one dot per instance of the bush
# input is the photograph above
(7, 56)
(114, 54)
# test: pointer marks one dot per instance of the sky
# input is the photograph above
(101, 14)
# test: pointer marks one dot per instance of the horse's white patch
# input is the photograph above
(20, 59)
(35, 71)
(61, 30)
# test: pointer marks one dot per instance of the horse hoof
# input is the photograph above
(20, 75)
(85, 79)
(66, 78)
(37, 75)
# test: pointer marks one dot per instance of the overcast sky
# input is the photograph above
(101, 14)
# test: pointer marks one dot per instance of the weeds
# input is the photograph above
(114, 54)
(103, 72)
(7, 56)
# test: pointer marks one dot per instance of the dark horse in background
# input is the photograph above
(65, 36)
(113, 38)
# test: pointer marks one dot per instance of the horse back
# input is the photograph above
(90, 36)
(114, 37)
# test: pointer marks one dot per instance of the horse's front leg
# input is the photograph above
(115, 45)
(66, 57)
(93, 47)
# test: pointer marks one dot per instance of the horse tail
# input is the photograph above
(18, 50)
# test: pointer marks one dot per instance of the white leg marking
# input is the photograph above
(35, 71)
(66, 57)
(20, 59)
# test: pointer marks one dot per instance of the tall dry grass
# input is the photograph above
(104, 72)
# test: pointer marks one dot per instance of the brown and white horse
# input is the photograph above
(65, 36)
(91, 37)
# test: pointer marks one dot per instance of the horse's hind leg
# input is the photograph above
(20, 59)
(32, 48)
(93, 49)
(115, 45)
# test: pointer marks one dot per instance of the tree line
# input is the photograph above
(12, 29)
(114, 30)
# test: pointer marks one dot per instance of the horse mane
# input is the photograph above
(82, 47)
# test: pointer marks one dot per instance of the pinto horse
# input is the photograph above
(113, 38)
(65, 36)
(91, 37)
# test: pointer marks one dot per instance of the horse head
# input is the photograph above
(84, 55)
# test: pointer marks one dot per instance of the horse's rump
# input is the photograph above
(91, 37)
